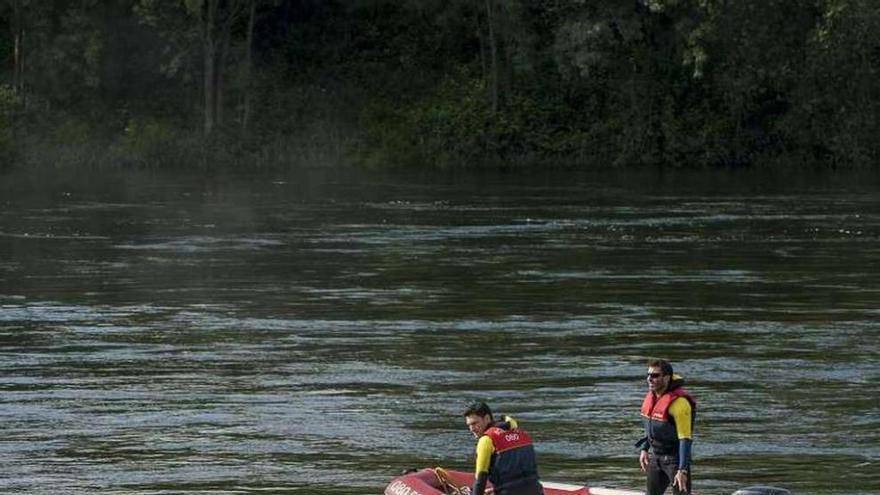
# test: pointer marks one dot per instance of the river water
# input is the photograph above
(317, 333)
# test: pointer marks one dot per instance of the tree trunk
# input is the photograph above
(18, 48)
(210, 59)
(493, 56)
(219, 79)
(248, 61)
(481, 37)
(219, 17)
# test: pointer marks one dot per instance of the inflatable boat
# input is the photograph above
(439, 481)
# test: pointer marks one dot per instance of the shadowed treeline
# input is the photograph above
(266, 83)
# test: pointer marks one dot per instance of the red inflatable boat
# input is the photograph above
(440, 481)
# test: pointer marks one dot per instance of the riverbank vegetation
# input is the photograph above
(265, 83)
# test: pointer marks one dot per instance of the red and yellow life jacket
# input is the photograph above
(514, 465)
(659, 425)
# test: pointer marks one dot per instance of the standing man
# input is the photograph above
(505, 454)
(668, 412)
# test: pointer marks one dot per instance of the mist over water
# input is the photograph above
(317, 334)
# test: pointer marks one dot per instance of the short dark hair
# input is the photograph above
(478, 408)
(664, 365)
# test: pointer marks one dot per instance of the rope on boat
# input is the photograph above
(449, 485)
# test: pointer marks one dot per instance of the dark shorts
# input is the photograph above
(661, 472)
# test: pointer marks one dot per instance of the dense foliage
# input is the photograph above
(441, 82)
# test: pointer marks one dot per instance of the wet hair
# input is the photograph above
(478, 408)
(664, 365)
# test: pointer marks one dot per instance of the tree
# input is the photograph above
(217, 18)
(208, 25)
(18, 31)
(834, 100)
(247, 83)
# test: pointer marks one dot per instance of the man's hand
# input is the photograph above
(680, 481)
(643, 460)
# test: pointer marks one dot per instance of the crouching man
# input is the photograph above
(505, 454)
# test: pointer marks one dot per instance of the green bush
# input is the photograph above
(146, 142)
(455, 125)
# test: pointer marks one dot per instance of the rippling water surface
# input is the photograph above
(316, 334)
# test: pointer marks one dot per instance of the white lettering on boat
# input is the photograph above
(401, 488)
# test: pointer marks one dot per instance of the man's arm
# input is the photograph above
(680, 410)
(485, 449)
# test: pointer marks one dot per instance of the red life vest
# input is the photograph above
(514, 467)
(507, 439)
(657, 408)
(660, 429)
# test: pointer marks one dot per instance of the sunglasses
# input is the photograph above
(655, 375)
